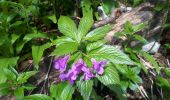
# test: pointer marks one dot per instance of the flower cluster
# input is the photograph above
(78, 68)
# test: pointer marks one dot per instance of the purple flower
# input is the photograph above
(98, 66)
(71, 76)
(87, 73)
(78, 66)
(61, 63)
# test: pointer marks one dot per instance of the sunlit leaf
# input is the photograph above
(112, 54)
(85, 88)
(67, 27)
(98, 33)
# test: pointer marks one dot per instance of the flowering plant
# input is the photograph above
(84, 56)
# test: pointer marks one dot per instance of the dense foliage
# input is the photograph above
(84, 62)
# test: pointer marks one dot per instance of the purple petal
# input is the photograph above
(78, 66)
(62, 76)
(61, 63)
(98, 66)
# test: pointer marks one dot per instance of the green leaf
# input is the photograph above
(109, 77)
(14, 37)
(62, 91)
(5, 88)
(85, 24)
(6, 62)
(124, 85)
(85, 88)
(98, 33)
(68, 27)
(139, 27)
(133, 86)
(152, 61)
(37, 97)
(29, 87)
(19, 93)
(167, 71)
(37, 53)
(62, 40)
(65, 48)
(53, 18)
(95, 45)
(112, 54)
(140, 38)
(162, 82)
(9, 74)
(22, 78)
(128, 28)
(28, 37)
(3, 78)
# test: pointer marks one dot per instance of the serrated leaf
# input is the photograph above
(22, 78)
(65, 48)
(112, 54)
(85, 24)
(37, 97)
(109, 77)
(37, 53)
(62, 40)
(98, 33)
(62, 91)
(68, 27)
(95, 45)
(85, 88)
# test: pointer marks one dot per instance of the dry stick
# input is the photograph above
(46, 77)
(168, 63)
(151, 88)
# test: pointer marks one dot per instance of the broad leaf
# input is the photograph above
(37, 97)
(85, 24)
(62, 40)
(22, 78)
(98, 33)
(68, 27)
(109, 77)
(95, 45)
(112, 54)
(28, 37)
(6, 62)
(85, 88)
(62, 91)
(37, 53)
(65, 48)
